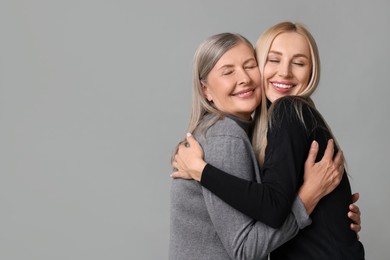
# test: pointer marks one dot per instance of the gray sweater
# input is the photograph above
(203, 226)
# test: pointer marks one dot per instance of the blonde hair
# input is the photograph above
(263, 46)
(206, 56)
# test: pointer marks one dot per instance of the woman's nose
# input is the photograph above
(285, 70)
(243, 77)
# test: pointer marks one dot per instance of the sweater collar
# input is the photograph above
(246, 125)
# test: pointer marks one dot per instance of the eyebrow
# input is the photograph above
(231, 65)
(295, 56)
(226, 66)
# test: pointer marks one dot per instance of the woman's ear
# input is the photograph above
(206, 92)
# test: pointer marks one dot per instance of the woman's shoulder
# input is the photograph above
(294, 109)
(223, 129)
(288, 103)
(226, 127)
(225, 140)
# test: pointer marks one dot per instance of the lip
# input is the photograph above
(282, 86)
(244, 93)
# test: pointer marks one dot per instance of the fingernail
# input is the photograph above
(189, 134)
(314, 144)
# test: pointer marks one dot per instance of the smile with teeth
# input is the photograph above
(285, 86)
(244, 94)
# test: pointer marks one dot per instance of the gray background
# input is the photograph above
(94, 95)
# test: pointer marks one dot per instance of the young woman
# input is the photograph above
(226, 91)
(289, 62)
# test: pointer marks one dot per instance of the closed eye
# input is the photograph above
(250, 67)
(273, 60)
(300, 63)
(228, 72)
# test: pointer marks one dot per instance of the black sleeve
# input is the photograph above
(270, 201)
(246, 196)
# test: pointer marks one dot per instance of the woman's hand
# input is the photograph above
(188, 162)
(322, 177)
(354, 214)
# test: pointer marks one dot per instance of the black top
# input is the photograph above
(289, 140)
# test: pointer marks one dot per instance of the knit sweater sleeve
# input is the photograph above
(242, 237)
